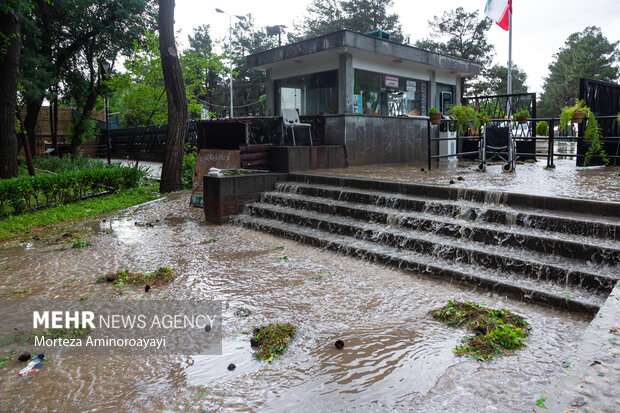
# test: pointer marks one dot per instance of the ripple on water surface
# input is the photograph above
(395, 355)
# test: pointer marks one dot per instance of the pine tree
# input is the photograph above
(585, 54)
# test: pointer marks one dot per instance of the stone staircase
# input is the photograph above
(516, 244)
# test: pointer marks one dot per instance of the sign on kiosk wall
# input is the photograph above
(391, 81)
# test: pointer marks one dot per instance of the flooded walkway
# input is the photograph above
(566, 180)
(396, 357)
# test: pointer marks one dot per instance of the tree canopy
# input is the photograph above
(494, 81)
(327, 16)
(585, 54)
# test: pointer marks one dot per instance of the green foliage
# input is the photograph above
(141, 88)
(463, 115)
(542, 128)
(461, 34)
(497, 331)
(29, 192)
(20, 292)
(432, 111)
(163, 275)
(243, 312)
(20, 227)
(23, 336)
(189, 162)
(523, 113)
(327, 16)
(89, 132)
(593, 133)
(68, 163)
(585, 54)
(495, 81)
(541, 402)
(567, 114)
(80, 244)
(273, 340)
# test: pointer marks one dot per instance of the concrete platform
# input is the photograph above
(566, 180)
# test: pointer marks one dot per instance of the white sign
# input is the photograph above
(391, 81)
(411, 89)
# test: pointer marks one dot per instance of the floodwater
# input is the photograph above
(396, 357)
(566, 180)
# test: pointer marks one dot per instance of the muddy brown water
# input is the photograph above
(395, 357)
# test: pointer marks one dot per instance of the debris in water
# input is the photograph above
(34, 366)
(278, 249)
(339, 344)
(451, 182)
(460, 178)
(147, 288)
(254, 342)
(541, 402)
(320, 276)
(243, 312)
(283, 258)
(578, 401)
(110, 278)
(421, 169)
(25, 356)
(273, 340)
(231, 367)
(497, 331)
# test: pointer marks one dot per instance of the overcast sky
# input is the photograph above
(540, 27)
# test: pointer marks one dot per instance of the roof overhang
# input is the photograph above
(353, 42)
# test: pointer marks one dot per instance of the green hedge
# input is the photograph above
(30, 192)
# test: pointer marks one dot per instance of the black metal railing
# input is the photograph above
(527, 133)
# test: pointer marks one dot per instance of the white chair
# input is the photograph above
(290, 120)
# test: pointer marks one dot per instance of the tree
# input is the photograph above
(495, 81)
(172, 169)
(461, 34)
(9, 64)
(249, 84)
(327, 16)
(201, 47)
(139, 94)
(585, 54)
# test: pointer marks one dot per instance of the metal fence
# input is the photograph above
(525, 139)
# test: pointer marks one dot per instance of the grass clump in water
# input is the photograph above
(163, 275)
(497, 332)
(272, 340)
(24, 336)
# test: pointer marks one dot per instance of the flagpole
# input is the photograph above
(509, 56)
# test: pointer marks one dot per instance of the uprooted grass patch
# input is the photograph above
(29, 336)
(497, 332)
(162, 276)
(272, 340)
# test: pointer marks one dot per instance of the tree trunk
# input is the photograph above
(172, 170)
(9, 64)
(54, 121)
(33, 107)
(24, 141)
(80, 127)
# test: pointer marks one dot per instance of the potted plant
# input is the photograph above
(575, 113)
(462, 115)
(593, 134)
(435, 116)
(521, 116)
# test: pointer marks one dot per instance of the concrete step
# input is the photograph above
(594, 250)
(574, 298)
(538, 266)
(592, 225)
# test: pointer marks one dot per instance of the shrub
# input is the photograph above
(31, 192)
(70, 163)
(189, 162)
(542, 128)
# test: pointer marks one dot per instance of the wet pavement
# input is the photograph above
(396, 357)
(566, 180)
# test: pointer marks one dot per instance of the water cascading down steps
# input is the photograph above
(564, 253)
